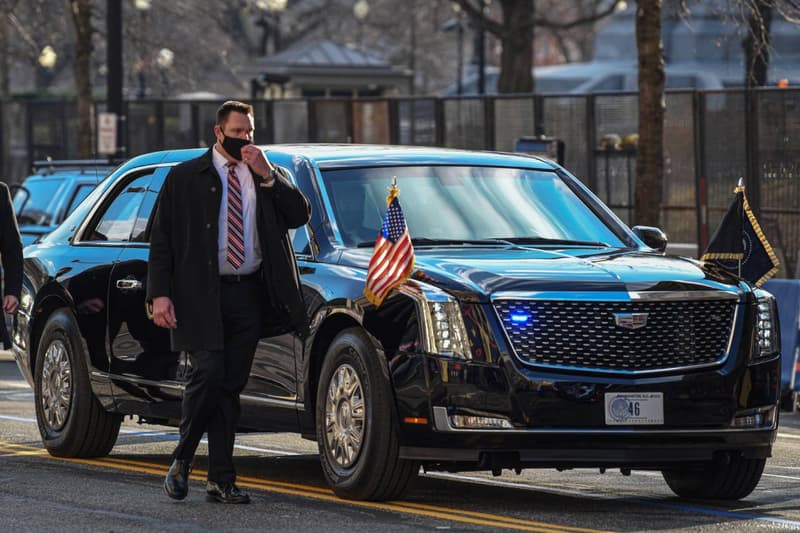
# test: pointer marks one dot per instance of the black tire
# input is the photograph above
(78, 426)
(718, 480)
(375, 471)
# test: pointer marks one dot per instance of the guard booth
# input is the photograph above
(542, 146)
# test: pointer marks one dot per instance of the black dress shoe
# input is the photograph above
(176, 484)
(225, 493)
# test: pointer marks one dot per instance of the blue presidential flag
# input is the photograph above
(739, 245)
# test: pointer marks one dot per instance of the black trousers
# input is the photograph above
(216, 378)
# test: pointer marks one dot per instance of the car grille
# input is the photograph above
(585, 335)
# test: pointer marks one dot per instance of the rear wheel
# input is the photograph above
(357, 428)
(71, 420)
(717, 480)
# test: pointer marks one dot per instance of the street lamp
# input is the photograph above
(48, 57)
(165, 60)
(270, 9)
(360, 12)
(143, 7)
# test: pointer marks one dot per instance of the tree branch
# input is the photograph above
(546, 23)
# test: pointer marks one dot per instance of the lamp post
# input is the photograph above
(270, 11)
(360, 12)
(143, 7)
(165, 60)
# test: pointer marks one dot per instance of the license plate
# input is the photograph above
(632, 409)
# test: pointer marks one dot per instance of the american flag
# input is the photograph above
(393, 255)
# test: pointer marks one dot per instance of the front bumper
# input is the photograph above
(558, 420)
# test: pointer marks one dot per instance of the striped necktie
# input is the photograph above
(235, 254)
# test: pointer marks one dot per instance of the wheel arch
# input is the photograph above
(49, 299)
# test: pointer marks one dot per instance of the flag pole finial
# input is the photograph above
(741, 182)
(393, 191)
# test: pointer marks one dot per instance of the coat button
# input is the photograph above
(213, 189)
(208, 226)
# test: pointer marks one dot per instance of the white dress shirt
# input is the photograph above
(252, 249)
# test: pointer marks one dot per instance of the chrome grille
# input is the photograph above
(585, 334)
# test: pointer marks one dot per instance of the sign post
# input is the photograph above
(107, 133)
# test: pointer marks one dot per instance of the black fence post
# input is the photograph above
(160, 133)
(269, 119)
(752, 179)
(591, 143)
(394, 120)
(538, 115)
(488, 120)
(439, 118)
(700, 185)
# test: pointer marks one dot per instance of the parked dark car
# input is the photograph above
(53, 191)
(537, 330)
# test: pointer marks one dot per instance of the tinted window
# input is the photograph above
(37, 209)
(469, 203)
(141, 226)
(119, 218)
(79, 196)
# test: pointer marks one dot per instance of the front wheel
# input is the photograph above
(717, 480)
(357, 428)
(71, 420)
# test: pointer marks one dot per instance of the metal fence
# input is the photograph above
(711, 139)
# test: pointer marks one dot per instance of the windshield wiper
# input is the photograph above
(549, 241)
(428, 241)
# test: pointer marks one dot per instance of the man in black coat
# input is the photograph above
(11, 258)
(221, 275)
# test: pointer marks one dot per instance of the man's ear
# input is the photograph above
(217, 131)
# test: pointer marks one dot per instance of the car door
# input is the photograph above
(270, 396)
(143, 368)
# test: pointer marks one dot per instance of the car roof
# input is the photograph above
(328, 156)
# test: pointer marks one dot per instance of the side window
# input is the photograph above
(141, 228)
(80, 195)
(119, 217)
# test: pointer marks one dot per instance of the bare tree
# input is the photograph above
(650, 154)
(516, 31)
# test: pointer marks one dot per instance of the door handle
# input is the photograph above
(307, 270)
(129, 284)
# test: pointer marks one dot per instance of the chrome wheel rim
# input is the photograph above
(344, 416)
(56, 385)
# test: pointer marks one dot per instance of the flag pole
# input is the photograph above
(739, 187)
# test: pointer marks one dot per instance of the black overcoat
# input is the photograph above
(184, 263)
(10, 255)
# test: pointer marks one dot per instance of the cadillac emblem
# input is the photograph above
(630, 320)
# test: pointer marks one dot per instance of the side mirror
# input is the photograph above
(14, 189)
(652, 237)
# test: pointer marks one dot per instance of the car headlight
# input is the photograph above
(767, 334)
(447, 331)
(442, 324)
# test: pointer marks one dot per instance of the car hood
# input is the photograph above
(482, 273)
(29, 232)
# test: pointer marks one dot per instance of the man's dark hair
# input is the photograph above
(232, 105)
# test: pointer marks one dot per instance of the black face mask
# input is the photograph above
(233, 146)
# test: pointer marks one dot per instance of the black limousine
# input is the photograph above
(536, 331)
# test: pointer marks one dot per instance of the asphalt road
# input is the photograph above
(123, 491)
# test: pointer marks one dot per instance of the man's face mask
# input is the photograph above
(233, 146)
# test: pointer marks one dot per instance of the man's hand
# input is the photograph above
(10, 304)
(164, 313)
(255, 158)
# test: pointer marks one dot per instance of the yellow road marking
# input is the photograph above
(309, 491)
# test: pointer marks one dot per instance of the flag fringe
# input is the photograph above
(763, 239)
(375, 300)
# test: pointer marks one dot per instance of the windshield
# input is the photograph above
(459, 203)
(34, 208)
